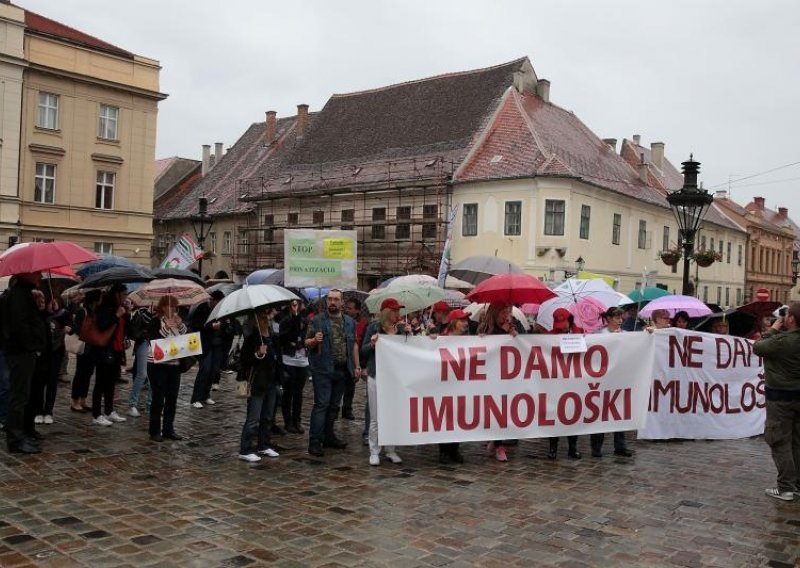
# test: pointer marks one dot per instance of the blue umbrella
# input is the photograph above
(109, 261)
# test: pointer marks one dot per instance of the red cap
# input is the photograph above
(457, 315)
(392, 304)
(440, 306)
(560, 319)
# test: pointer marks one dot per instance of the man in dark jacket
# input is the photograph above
(212, 337)
(780, 348)
(23, 347)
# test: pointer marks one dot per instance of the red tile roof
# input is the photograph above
(45, 26)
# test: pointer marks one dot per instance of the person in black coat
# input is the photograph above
(293, 328)
(260, 368)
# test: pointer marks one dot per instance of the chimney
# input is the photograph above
(612, 142)
(759, 203)
(783, 212)
(637, 139)
(643, 170)
(217, 152)
(302, 119)
(543, 90)
(206, 160)
(657, 154)
(272, 126)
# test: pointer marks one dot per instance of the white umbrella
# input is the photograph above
(414, 297)
(250, 298)
(450, 282)
(476, 312)
(587, 312)
(596, 288)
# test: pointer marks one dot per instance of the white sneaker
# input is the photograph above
(374, 459)
(269, 452)
(252, 458)
(393, 457)
(778, 494)
(48, 419)
(210, 401)
(114, 417)
(102, 421)
(39, 419)
(198, 404)
(215, 387)
(133, 411)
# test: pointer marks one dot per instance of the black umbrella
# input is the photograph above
(740, 324)
(178, 274)
(476, 269)
(118, 275)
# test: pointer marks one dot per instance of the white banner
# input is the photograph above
(176, 347)
(497, 387)
(705, 386)
(320, 259)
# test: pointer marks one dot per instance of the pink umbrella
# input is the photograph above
(587, 312)
(692, 306)
(530, 309)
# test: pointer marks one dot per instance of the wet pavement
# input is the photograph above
(110, 497)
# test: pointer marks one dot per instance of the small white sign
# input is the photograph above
(573, 343)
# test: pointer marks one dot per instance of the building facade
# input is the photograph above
(87, 143)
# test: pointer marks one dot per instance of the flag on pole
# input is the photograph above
(444, 265)
(183, 254)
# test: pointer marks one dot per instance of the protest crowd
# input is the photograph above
(274, 342)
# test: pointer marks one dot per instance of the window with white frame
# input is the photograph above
(642, 234)
(554, 211)
(212, 241)
(738, 296)
(107, 123)
(616, 229)
(47, 111)
(513, 219)
(44, 190)
(104, 194)
(665, 241)
(586, 212)
(226, 242)
(739, 259)
(104, 248)
(469, 221)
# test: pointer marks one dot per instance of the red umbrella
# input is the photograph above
(41, 257)
(511, 288)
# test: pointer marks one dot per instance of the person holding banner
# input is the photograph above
(564, 322)
(613, 319)
(497, 320)
(165, 378)
(332, 356)
(457, 324)
(780, 349)
(387, 323)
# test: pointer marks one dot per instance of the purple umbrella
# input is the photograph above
(676, 303)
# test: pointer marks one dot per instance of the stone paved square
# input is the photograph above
(108, 497)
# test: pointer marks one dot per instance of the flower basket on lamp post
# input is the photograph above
(706, 258)
(670, 257)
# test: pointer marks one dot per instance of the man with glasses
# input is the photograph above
(330, 341)
(779, 347)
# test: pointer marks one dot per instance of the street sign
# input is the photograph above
(762, 295)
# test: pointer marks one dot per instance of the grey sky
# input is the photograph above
(719, 78)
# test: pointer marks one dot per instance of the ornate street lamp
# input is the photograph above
(689, 204)
(795, 268)
(201, 223)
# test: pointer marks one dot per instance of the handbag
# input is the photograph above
(73, 344)
(243, 388)
(186, 363)
(90, 334)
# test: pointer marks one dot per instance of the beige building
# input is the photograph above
(87, 145)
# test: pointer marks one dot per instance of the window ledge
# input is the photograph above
(109, 141)
(48, 150)
(107, 158)
(45, 130)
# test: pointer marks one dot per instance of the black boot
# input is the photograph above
(553, 451)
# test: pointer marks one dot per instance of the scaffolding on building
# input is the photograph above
(399, 209)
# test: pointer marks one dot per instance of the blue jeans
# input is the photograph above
(3, 387)
(140, 353)
(260, 416)
(328, 391)
(210, 364)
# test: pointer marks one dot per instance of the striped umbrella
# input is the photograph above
(187, 292)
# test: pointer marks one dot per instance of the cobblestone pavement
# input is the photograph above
(110, 497)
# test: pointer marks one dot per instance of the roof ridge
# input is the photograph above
(425, 79)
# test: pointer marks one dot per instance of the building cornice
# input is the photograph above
(145, 93)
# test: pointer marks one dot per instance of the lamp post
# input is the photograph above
(795, 268)
(689, 204)
(201, 230)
